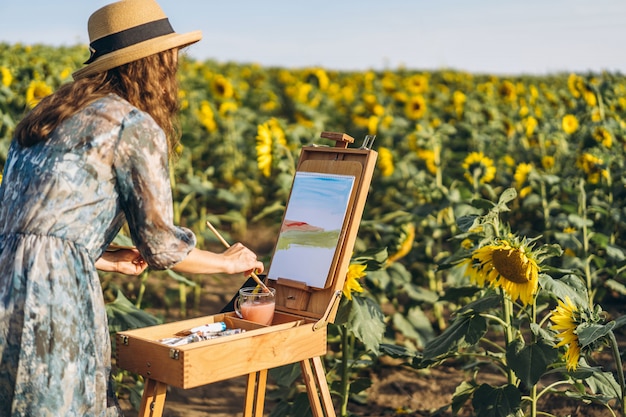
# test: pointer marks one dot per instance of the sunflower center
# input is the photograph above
(511, 264)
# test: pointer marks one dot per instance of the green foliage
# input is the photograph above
(123, 315)
(463, 159)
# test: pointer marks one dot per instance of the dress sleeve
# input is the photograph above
(141, 167)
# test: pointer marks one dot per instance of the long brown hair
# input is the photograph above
(149, 84)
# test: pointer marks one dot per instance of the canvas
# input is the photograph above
(311, 228)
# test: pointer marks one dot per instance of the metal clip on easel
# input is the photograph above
(368, 142)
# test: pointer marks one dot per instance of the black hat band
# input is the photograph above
(128, 37)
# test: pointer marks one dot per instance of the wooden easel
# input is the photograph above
(300, 321)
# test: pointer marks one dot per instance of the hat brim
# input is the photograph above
(138, 51)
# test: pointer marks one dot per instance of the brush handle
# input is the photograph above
(227, 245)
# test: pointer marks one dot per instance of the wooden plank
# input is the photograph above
(320, 377)
(251, 354)
(248, 405)
(151, 360)
(311, 388)
(261, 387)
(153, 399)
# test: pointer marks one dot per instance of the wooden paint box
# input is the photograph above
(289, 339)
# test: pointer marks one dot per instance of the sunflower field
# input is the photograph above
(494, 230)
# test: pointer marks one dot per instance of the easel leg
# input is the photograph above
(153, 399)
(317, 387)
(255, 394)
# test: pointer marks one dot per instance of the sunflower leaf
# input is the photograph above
(619, 322)
(507, 195)
(179, 278)
(483, 204)
(589, 333)
(484, 303)
(530, 362)
(569, 286)
(496, 402)
(398, 351)
(604, 383)
(465, 223)
(123, 315)
(461, 394)
(469, 328)
(364, 318)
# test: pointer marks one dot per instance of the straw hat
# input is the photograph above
(129, 30)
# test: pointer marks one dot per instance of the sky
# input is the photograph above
(500, 37)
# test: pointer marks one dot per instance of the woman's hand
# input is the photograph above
(125, 261)
(243, 259)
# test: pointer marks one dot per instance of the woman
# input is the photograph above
(87, 159)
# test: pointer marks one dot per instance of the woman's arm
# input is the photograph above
(233, 260)
(125, 261)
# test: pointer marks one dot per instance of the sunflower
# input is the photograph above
(269, 135)
(478, 166)
(603, 136)
(566, 318)
(596, 115)
(569, 123)
(6, 78)
(355, 271)
(507, 91)
(388, 82)
(227, 108)
(222, 88)
(590, 98)
(507, 265)
(417, 84)
(430, 159)
(459, 99)
(385, 161)
(317, 77)
(372, 125)
(415, 107)
(530, 124)
(594, 167)
(206, 116)
(509, 128)
(407, 237)
(574, 84)
(522, 172)
(36, 91)
(547, 162)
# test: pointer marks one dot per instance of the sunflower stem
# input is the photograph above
(502, 322)
(533, 389)
(507, 310)
(619, 369)
(439, 171)
(533, 401)
(582, 202)
(346, 355)
(546, 210)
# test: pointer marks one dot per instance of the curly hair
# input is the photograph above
(149, 84)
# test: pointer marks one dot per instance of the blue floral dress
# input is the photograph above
(62, 202)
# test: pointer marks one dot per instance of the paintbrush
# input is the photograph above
(227, 245)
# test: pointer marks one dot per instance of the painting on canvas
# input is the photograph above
(311, 228)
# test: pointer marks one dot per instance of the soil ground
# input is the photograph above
(396, 390)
